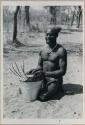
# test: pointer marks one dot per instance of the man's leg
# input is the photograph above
(60, 86)
(52, 90)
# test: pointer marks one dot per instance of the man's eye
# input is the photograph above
(49, 35)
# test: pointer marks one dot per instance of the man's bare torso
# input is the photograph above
(51, 61)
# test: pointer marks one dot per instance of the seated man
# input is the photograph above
(52, 63)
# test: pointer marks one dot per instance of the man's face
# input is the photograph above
(50, 37)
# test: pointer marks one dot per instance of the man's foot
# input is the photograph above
(67, 92)
(42, 97)
(61, 89)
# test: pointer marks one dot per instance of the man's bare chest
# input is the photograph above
(53, 56)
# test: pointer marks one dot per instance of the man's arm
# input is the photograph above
(40, 62)
(38, 68)
(62, 65)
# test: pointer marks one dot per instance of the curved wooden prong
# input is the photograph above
(13, 72)
(22, 67)
(18, 69)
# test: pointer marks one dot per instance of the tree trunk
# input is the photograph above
(72, 18)
(15, 24)
(53, 15)
(27, 15)
(79, 16)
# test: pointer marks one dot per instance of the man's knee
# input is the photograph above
(52, 89)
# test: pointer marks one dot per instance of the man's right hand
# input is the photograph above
(32, 71)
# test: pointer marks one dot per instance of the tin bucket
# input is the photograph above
(30, 90)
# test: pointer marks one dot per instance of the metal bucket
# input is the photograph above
(30, 90)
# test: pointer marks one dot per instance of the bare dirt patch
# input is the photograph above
(69, 106)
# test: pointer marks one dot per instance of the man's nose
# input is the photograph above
(48, 36)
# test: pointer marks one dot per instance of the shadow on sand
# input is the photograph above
(70, 89)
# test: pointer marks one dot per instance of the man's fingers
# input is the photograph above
(29, 72)
(39, 73)
(33, 71)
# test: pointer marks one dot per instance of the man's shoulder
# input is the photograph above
(42, 50)
(62, 50)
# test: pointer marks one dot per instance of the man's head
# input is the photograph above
(52, 34)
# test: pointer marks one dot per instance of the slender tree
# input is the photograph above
(79, 13)
(27, 15)
(74, 15)
(15, 24)
(52, 10)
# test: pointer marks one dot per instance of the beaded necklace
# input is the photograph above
(52, 50)
(48, 53)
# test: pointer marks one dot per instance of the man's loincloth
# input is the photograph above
(48, 81)
(44, 93)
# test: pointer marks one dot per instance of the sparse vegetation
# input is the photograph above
(28, 42)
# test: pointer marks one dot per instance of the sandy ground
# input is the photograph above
(68, 106)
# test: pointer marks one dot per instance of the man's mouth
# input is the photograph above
(48, 41)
